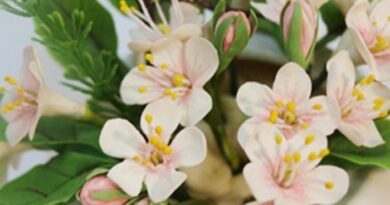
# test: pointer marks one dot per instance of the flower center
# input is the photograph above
(381, 44)
(23, 97)
(165, 29)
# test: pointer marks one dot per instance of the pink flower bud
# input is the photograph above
(98, 184)
(309, 24)
(231, 32)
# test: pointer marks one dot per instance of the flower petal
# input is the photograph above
(162, 183)
(315, 185)
(362, 133)
(195, 106)
(272, 10)
(171, 55)
(186, 31)
(24, 120)
(191, 14)
(254, 98)
(119, 138)
(201, 60)
(189, 147)
(128, 175)
(136, 80)
(31, 72)
(292, 83)
(261, 182)
(163, 113)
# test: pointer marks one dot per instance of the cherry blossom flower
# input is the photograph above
(287, 105)
(286, 172)
(98, 184)
(356, 106)
(152, 162)
(26, 101)
(370, 29)
(272, 9)
(184, 21)
(178, 72)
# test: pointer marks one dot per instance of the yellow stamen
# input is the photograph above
(313, 156)
(156, 158)
(304, 125)
(290, 118)
(133, 8)
(178, 80)
(143, 89)
(21, 91)
(160, 145)
(141, 67)
(18, 102)
(346, 113)
(167, 91)
(384, 114)
(149, 57)
(5, 110)
(10, 106)
(297, 157)
(380, 45)
(329, 185)
(324, 152)
(158, 129)
(291, 106)
(145, 162)
(360, 97)
(165, 29)
(124, 7)
(279, 104)
(309, 139)
(154, 141)
(164, 66)
(167, 150)
(374, 23)
(355, 92)
(2, 89)
(137, 158)
(317, 106)
(288, 159)
(173, 95)
(273, 116)
(10, 80)
(149, 118)
(278, 139)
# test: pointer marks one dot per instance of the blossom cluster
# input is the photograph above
(287, 129)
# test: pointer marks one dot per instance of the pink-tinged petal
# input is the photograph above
(136, 80)
(191, 14)
(272, 143)
(380, 12)
(376, 90)
(383, 72)
(258, 176)
(189, 147)
(362, 133)
(176, 15)
(140, 46)
(162, 183)
(195, 106)
(128, 175)
(247, 131)
(171, 55)
(31, 71)
(163, 113)
(325, 185)
(292, 83)
(23, 121)
(201, 60)
(255, 99)
(271, 10)
(341, 76)
(316, 118)
(120, 139)
(186, 31)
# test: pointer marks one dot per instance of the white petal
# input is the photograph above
(31, 71)
(23, 122)
(128, 175)
(247, 131)
(136, 79)
(269, 11)
(261, 182)
(164, 113)
(341, 76)
(195, 106)
(189, 147)
(292, 83)
(120, 139)
(201, 60)
(315, 189)
(171, 54)
(362, 133)
(186, 31)
(162, 183)
(191, 14)
(254, 98)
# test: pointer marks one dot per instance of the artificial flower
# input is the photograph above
(183, 22)
(370, 29)
(272, 9)
(26, 101)
(178, 73)
(286, 172)
(9, 155)
(356, 106)
(287, 105)
(99, 184)
(152, 162)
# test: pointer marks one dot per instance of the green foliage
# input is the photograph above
(54, 183)
(334, 20)
(345, 150)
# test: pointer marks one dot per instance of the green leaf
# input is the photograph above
(218, 12)
(54, 183)
(109, 195)
(379, 156)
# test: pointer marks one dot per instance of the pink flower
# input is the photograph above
(287, 105)
(356, 106)
(152, 162)
(184, 21)
(272, 9)
(98, 184)
(231, 32)
(25, 102)
(370, 28)
(286, 172)
(178, 73)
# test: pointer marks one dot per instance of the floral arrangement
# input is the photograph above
(162, 127)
